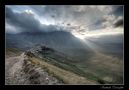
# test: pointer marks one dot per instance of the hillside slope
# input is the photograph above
(99, 68)
(25, 69)
(20, 71)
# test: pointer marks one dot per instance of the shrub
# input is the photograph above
(101, 81)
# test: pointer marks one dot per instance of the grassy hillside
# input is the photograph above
(64, 75)
(12, 52)
(100, 68)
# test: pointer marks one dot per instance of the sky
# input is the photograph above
(80, 20)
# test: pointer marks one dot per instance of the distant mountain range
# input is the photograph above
(66, 43)
(109, 44)
(59, 40)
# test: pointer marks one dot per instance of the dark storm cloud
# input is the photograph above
(119, 23)
(9, 13)
(23, 20)
(118, 10)
(26, 22)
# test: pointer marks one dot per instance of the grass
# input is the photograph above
(70, 67)
(13, 52)
(91, 72)
(66, 65)
(66, 76)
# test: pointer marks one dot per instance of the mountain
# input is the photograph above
(52, 39)
(110, 44)
(62, 41)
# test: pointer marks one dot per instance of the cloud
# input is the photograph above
(118, 22)
(10, 29)
(73, 14)
(25, 22)
(72, 18)
(118, 10)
